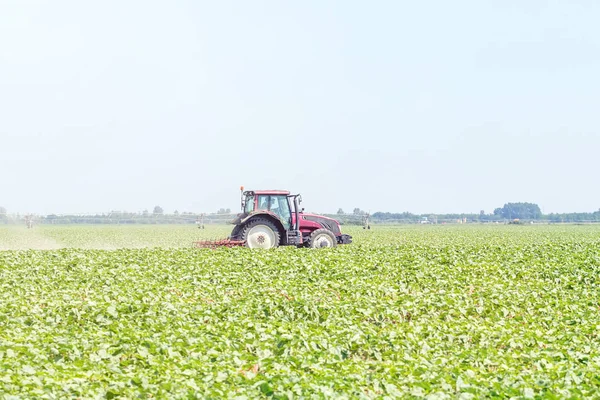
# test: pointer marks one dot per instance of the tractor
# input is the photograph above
(272, 218)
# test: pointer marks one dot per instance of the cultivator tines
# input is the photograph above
(213, 244)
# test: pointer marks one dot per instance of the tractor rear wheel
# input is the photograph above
(322, 238)
(260, 233)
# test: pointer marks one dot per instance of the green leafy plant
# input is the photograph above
(425, 311)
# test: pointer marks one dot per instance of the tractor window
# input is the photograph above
(281, 207)
(263, 202)
(249, 207)
(278, 205)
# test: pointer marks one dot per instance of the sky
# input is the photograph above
(420, 106)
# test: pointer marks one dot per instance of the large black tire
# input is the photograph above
(322, 238)
(260, 233)
(235, 233)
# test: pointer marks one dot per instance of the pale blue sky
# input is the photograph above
(421, 106)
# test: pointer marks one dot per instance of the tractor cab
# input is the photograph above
(277, 202)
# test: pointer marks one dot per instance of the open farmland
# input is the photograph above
(421, 311)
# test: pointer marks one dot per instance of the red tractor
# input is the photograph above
(272, 218)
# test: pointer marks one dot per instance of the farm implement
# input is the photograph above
(272, 218)
(213, 244)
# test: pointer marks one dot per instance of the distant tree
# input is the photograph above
(2, 211)
(358, 211)
(145, 213)
(175, 212)
(519, 211)
(224, 211)
(340, 212)
(158, 210)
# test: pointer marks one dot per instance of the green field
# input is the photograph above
(416, 311)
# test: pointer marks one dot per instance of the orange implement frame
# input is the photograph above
(213, 244)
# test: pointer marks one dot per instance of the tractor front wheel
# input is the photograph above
(260, 234)
(322, 238)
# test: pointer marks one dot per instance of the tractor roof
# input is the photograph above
(272, 192)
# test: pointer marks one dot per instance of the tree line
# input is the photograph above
(510, 212)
